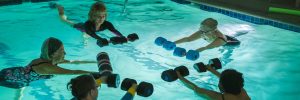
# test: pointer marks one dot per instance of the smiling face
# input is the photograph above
(100, 17)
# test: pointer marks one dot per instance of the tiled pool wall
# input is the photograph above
(244, 17)
(238, 15)
(15, 2)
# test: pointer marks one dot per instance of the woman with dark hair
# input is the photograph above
(44, 67)
(231, 86)
(84, 87)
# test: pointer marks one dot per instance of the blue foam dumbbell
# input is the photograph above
(160, 41)
(168, 45)
(192, 55)
(180, 52)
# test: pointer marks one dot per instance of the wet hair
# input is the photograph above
(232, 81)
(95, 9)
(81, 86)
(50, 46)
(210, 22)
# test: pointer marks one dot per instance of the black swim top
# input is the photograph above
(90, 29)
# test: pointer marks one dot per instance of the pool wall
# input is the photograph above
(15, 2)
(244, 15)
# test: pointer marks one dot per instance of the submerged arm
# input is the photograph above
(192, 37)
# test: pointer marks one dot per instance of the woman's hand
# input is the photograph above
(209, 68)
(178, 74)
(103, 79)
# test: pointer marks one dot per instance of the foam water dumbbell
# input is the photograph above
(103, 62)
(118, 40)
(112, 80)
(105, 69)
(132, 37)
(160, 41)
(190, 55)
(168, 45)
(102, 42)
(214, 63)
(143, 89)
(180, 52)
(170, 75)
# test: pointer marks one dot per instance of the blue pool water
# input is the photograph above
(267, 57)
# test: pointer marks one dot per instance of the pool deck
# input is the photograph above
(257, 8)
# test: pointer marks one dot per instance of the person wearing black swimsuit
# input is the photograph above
(96, 22)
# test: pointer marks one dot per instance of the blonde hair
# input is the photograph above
(49, 47)
(95, 9)
(210, 22)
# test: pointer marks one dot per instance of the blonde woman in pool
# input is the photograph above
(96, 22)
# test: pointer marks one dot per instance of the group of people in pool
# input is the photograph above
(84, 87)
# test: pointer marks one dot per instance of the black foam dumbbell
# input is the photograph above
(112, 80)
(102, 42)
(132, 37)
(214, 63)
(105, 69)
(170, 75)
(103, 62)
(118, 40)
(143, 89)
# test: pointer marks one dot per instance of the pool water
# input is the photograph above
(267, 57)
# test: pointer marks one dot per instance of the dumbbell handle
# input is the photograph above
(99, 77)
(132, 89)
(214, 71)
(130, 92)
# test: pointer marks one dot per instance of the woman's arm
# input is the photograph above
(218, 74)
(62, 15)
(91, 30)
(111, 28)
(77, 62)
(186, 82)
(194, 36)
(216, 43)
(130, 93)
(53, 69)
(208, 94)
